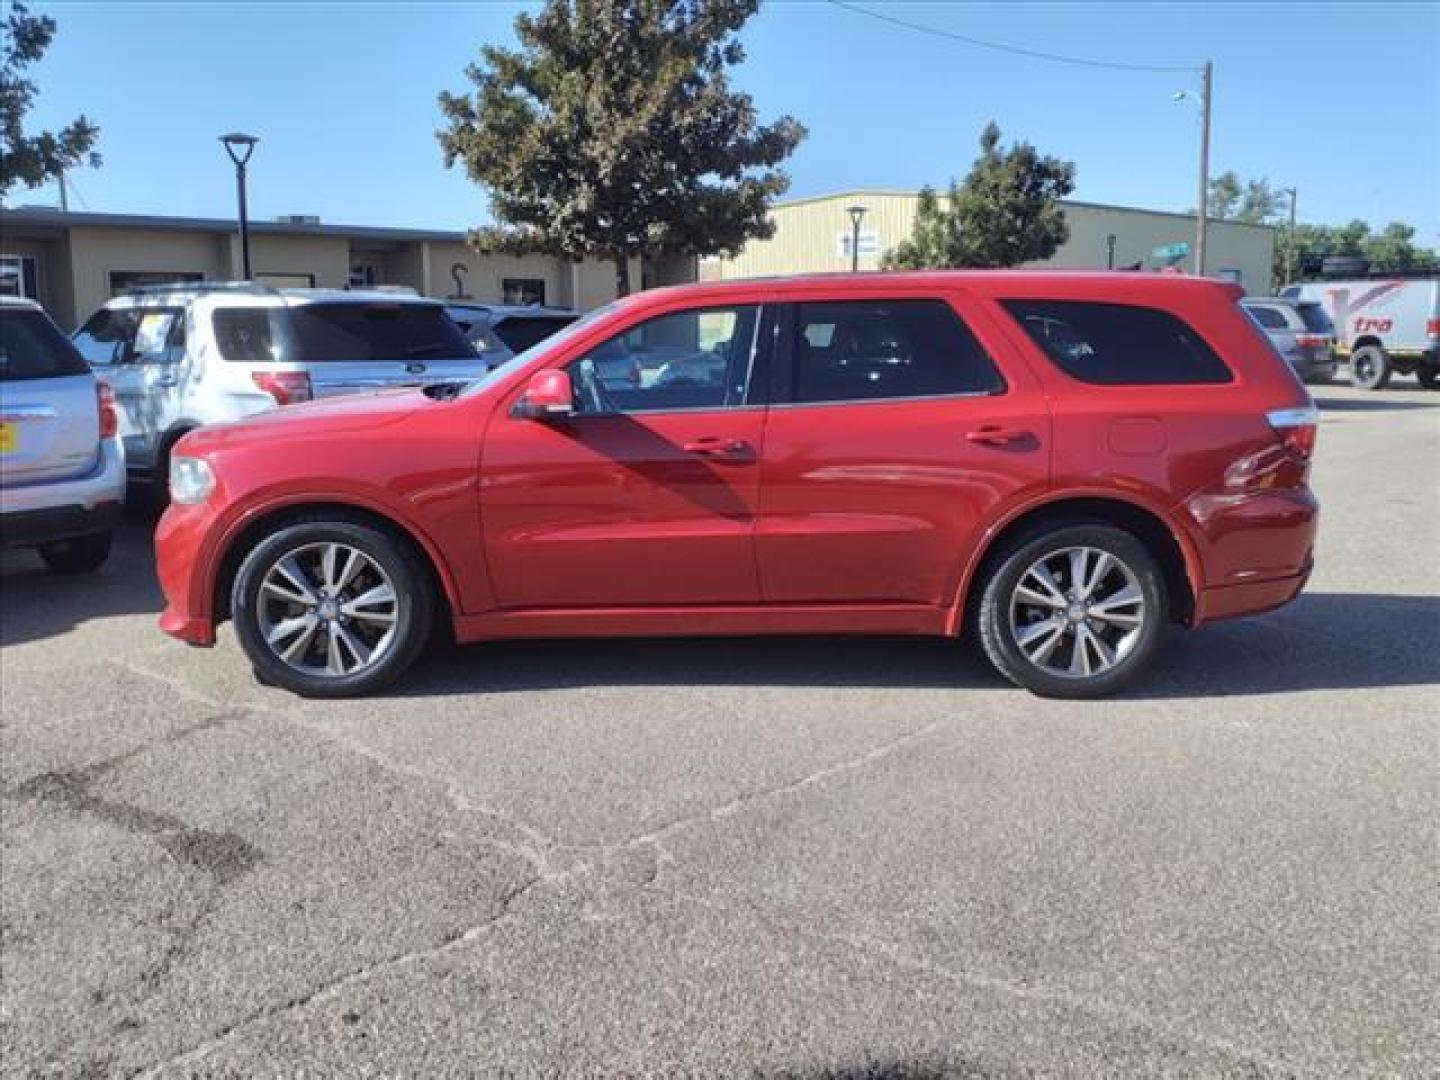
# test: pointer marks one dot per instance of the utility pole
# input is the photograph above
(64, 198)
(1290, 240)
(1200, 213)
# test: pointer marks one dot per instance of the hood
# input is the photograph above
(350, 413)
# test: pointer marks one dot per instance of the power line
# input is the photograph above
(1080, 61)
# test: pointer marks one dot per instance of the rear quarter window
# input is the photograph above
(1118, 344)
(1315, 318)
(32, 347)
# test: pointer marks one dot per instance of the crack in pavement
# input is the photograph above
(336, 985)
(1054, 995)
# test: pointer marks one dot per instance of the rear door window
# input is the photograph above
(877, 349)
(1118, 344)
(1315, 318)
(32, 347)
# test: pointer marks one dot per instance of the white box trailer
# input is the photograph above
(1384, 326)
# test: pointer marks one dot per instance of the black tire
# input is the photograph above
(1370, 368)
(391, 554)
(78, 554)
(993, 617)
(1429, 376)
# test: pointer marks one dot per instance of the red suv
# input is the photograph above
(1058, 463)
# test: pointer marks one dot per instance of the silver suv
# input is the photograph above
(181, 356)
(62, 470)
(1301, 331)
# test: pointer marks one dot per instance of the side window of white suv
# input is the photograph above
(107, 336)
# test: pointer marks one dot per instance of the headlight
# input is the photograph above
(191, 480)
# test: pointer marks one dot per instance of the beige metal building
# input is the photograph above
(813, 236)
(73, 262)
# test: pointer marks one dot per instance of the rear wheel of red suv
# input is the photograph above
(1073, 612)
(332, 608)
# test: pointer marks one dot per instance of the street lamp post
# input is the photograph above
(1110, 251)
(856, 214)
(240, 146)
(1207, 74)
(1290, 238)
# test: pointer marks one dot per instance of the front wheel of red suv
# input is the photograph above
(332, 608)
(1074, 612)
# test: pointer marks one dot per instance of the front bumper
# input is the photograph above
(38, 513)
(182, 567)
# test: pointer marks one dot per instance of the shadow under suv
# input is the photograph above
(1057, 463)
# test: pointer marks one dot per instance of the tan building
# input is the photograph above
(73, 262)
(814, 235)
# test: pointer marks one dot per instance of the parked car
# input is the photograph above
(62, 469)
(1058, 463)
(1385, 326)
(501, 332)
(181, 356)
(1302, 333)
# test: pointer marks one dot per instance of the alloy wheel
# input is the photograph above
(1077, 612)
(327, 610)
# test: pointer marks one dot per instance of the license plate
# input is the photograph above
(9, 438)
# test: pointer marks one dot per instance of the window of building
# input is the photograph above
(288, 281)
(876, 349)
(699, 359)
(363, 275)
(19, 276)
(124, 280)
(522, 290)
(1117, 344)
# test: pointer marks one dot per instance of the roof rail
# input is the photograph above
(254, 288)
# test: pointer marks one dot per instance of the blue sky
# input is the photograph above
(343, 98)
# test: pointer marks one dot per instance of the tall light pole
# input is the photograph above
(1207, 74)
(856, 214)
(240, 146)
(1290, 238)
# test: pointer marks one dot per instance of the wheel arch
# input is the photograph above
(1173, 550)
(1367, 340)
(248, 532)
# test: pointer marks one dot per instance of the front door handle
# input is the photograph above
(992, 435)
(711, 446)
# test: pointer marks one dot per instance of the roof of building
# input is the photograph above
(912, 193)
(49, 216)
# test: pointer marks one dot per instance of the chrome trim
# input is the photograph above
(17, 413)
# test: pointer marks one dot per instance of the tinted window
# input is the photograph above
(869, 350)
(1315, 318)
(519, 334)
(313, 333)
(107, 336)
(1267, 317)
(1116, 344)
(31, 347)
(685, 360)
(375, 332)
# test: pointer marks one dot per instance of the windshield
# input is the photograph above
(555, 341)
(318, 333)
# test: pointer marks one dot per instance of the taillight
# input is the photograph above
(1312, 341)
(1432, 327)
(286, 387)
(1296, 428)
(105, 403)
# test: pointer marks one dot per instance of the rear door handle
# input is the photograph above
(999, 436)
(711, 446)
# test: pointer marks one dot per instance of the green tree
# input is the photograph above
(1253, 201)
(1223, 196)
(1005, 213)
(612, 132)
(34, 159)
(1392, 248)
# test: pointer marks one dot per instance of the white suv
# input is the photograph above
(62, 470)
(181, 356)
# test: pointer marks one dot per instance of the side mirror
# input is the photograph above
(549, 395)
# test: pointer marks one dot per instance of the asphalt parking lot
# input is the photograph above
(777, 858)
